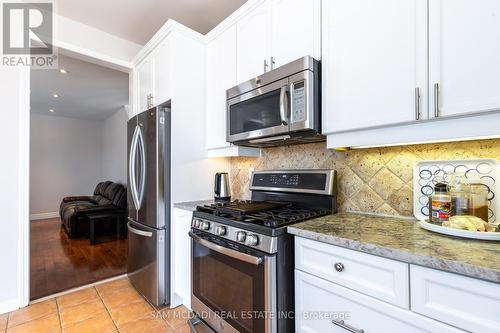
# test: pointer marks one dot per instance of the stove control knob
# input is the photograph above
(197, 224)
(252, 240)
(241, 236)
(220, 230)
(205, 225)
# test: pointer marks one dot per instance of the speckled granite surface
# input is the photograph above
(191, 205)
(402, 239)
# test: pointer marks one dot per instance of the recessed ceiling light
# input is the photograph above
(56, 95)
(63, 71)
(52, 110)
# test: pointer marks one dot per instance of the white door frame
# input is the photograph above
(24, 154)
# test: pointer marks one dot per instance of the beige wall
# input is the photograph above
(377, 180)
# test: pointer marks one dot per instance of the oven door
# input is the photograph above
(259, 113)
(233, 291)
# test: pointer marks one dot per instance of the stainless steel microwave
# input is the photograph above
(279, 107)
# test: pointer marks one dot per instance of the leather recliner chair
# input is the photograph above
(108, 197)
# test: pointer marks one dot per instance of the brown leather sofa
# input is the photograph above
(108, 197)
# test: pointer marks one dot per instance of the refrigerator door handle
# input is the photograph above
(142, 185)
(139, 232)
(132, 170)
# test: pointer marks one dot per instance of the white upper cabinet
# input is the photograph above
(253, 45)
(464, 56)
(162, 73)
(295, 30)
(145, 84)
(221, 75)
(374, 63)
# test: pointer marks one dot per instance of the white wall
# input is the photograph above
(65, 159)
(11, 182)
(114, 155)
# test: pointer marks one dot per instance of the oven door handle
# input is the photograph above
(228, 252)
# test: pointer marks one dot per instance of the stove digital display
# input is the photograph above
(307, 181)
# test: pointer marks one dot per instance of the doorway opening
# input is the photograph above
(78, 175)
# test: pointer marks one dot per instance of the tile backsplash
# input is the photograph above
(377, 180)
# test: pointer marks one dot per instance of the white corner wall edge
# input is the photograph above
(234, 151)
(9, 305)
(43, 216)
(439, 130)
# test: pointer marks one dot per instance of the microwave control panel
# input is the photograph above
(299, 102)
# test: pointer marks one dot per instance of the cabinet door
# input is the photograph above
(145, 74)
(181, 258)
(221, 75)
(464, 59)
(320, 306)
(374, 56)
(295, 30)
(162, 86)
(253, 45)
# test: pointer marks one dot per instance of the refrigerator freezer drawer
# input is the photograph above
(146, 261)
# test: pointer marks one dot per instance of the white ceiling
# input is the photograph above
(137, 21)
(89, 91)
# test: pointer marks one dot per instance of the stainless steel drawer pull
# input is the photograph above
(436, 100)
(417, 103)
(341, 323)
(339, 267)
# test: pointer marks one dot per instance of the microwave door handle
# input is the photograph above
(284, 105)
(228, 252)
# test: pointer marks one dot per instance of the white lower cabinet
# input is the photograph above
(180, 266)
(458, 300)
(323, 306)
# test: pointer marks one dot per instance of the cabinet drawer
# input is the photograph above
(318, 303)
(461, 301)
(378, 277)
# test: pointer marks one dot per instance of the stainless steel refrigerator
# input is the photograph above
(148, 268)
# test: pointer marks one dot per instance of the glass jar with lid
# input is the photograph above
(478, 200)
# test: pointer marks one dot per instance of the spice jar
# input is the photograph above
(478, 200)
(440, 204)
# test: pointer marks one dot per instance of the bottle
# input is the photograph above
(440, 204)
(478, 200)
(460, 195)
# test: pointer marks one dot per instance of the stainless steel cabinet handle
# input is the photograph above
(228, 252)
(436, 100)
(417, 103)
(284, 105)
(139, 232)
(272, 63)
(339, 267)
(265, 65)
(341, 323)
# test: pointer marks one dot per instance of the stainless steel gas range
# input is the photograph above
(242, 256)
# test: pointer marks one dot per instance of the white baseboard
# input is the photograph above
(9, 305)
(42, 216)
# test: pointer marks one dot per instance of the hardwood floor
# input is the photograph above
(58, 263)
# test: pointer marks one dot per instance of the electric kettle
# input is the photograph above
(222, 192)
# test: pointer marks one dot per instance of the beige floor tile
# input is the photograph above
(121, 297)
(32, 312)
(183, 329)
(115, 285)
(81, 312)
(176, 317)
(146, 325)
(3, 321)
(77, 297)
(98, 324)
(127, 313)
(48, 324)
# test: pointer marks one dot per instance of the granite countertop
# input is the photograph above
(191, 205)
(402, 239)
